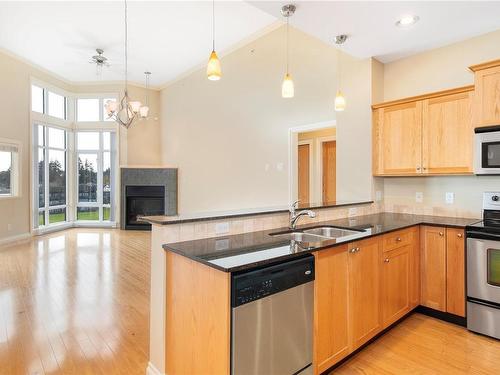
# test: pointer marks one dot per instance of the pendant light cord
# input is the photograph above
(287, 44)
(126, 48)
(213, 25)
(339, 58)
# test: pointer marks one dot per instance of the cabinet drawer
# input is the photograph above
(398, 239)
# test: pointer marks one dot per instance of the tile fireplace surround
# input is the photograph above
(166, 177)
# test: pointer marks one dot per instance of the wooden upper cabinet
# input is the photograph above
(331, 304)
(455, 271)
(487, 100)
(427, 134)
(364, 287)
(397, 139)
(433, 267)
(447, 134)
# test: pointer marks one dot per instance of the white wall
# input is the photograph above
(221, 135)
(435, 70)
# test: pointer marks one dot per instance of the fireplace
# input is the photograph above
(146, 191)
(143, 201)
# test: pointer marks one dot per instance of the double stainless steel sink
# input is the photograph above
(320, 234)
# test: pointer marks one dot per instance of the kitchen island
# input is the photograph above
(363, 285)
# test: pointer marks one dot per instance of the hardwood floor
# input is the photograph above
(424, 345)
(75, 302)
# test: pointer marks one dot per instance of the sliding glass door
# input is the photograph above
(95, 176)
(52, 197)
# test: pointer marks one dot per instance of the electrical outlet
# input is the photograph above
(450, 197)
(419, 197)
(352, 211)
(221, 228)
(378, 195)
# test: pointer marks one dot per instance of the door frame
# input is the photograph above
(319, 164)
(292, 153)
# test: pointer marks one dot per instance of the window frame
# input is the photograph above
(15, 172)
(46, 149)
(100, 97)
(100, 176)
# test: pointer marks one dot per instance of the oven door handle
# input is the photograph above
(484, 303)
(483, 236)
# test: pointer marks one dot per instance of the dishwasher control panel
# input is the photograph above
(252, 285)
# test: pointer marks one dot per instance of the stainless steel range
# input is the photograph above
(483, 269)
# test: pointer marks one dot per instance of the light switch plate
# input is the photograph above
(419, 197)
(378, 195)
(221, 228)
(450, 197)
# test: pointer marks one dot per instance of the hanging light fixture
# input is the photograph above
(340, 102)
(214, 72)
(126, 111)
(287, 88)
(144, 110)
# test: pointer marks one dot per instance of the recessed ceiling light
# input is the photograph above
(407, 21)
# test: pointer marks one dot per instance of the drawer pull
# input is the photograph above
(441, 234)
(459, 235)
(398, 239)
(386, 260)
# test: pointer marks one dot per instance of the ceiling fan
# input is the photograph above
(100, 61)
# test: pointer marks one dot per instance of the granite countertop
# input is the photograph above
(189, 218)
(244, 251)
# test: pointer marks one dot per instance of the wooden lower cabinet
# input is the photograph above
(364, 290)
(455, 271)
(433, 267)
(331, 328)
(396, 279)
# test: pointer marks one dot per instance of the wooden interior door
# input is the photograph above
(455, 271)
(304, 154)
(329, 155)
(396, 284)
(364, 287)
(487, 82)
(433, 267)
(399, 139)
(448, 134)
(331, 309)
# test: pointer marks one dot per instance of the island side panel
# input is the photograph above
(198, 332)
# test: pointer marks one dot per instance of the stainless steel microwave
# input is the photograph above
(487, 150)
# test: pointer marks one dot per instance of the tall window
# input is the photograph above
(51, 174)
(9, 168)
(95, 166)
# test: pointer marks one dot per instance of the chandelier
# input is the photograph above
(126, 111)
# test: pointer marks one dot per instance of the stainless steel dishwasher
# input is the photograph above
(272, 319)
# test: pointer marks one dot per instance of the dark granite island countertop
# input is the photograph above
(234, 253)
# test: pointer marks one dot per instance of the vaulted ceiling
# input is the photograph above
(172, 37)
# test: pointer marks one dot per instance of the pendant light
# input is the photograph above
(340, 102)
(287, 88)
(126, 111)
(214, 72)
(144, 110)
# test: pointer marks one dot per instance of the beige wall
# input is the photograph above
(143, 140)
(222, 135)
(439, 69)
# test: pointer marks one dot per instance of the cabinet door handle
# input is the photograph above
(398, 239)
(358, 249)
(459, 235)
(353, 250)
(441, 234)
(418, 169)
(386, 260)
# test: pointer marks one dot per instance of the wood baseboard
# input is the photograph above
(15, 239)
